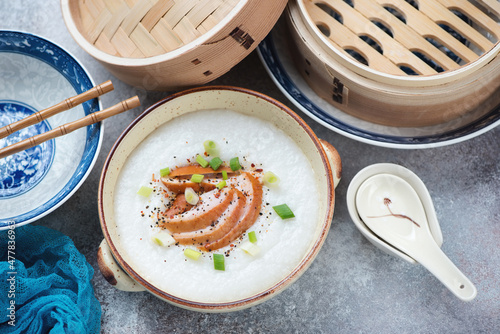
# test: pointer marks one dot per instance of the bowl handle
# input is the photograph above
(334, 159)
(112, 271)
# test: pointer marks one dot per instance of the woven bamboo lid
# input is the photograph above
(169, 44)
(147, 28)
(414, 39)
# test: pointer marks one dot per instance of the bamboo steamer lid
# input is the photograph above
(169, 44)
(401, 63)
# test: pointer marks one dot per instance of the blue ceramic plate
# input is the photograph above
(36, 74)
(275, 56)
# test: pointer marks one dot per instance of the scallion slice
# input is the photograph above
(192, 254)
(234, 163)
(203, 163)
(250, 248)
(197, 178)
(219, 262)
(221, 184)
(283, 211)
(211, 147)
(191, 196)
(252, 237)
(145, 191)
(215, 163)
(163, 238)
(164, 171)
(224, 175)
(271, 179)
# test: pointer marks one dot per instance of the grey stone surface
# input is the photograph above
(351, 287)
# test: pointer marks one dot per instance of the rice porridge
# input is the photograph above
(261, 147)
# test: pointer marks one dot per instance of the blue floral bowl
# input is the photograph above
(35, 74)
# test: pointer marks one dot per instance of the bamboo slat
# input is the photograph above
(480, 18)
(405, 35)
(423, 38)
(146, 28)
(393, 51)
(492, 5)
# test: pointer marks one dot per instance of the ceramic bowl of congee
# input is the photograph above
(215, 199)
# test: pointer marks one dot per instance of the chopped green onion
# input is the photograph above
(283, 211)
(201, 161)
(145, 191)
(163, 238)
(224, 175)
(221, 184)
(219, 262)
(191, 196)
(197, 178)
(271, 179)
(215, 163)
(234, 163)
(211, 147)
(252, 237)
(164, 171)
(192, 254)
(250, 248)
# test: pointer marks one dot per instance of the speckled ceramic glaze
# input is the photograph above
(36, 74)
(322, 156)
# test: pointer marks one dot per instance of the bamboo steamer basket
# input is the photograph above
(396, 62)
(167, 44)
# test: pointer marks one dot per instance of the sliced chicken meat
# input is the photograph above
(178, 206)
(209, 208)
(179, 185)
(224, 224)
(180, 178)
(221, 216)
(252, 189)
(196, 169)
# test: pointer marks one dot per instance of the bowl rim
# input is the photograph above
(77, 178)
(258, 297)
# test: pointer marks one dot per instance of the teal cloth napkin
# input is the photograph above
(45, 284)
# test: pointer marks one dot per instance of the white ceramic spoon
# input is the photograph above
(391, 208)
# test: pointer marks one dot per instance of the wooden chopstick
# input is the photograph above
(70, 127)
(67, 104)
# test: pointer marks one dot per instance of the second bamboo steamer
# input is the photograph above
(396, 62)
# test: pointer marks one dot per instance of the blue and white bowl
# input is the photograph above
(35, 74)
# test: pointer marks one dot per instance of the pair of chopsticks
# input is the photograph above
(68, 127)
